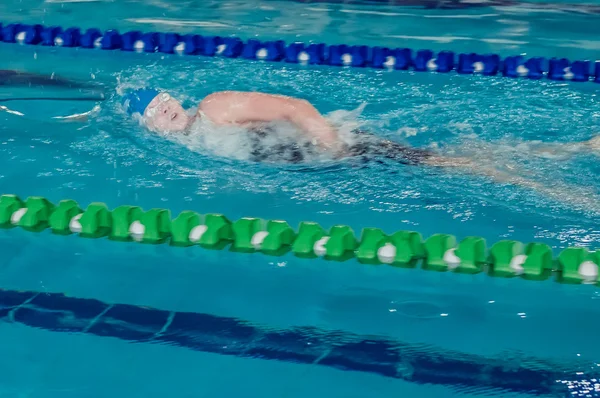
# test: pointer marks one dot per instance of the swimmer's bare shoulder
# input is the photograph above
(237, 107)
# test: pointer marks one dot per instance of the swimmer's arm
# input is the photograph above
(308, 119)
(246, 108)
(79, 117)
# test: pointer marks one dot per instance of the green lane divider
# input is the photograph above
(440, 252)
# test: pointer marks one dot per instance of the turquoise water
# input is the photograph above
(447, 335)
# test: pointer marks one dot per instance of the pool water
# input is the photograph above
(284, 326)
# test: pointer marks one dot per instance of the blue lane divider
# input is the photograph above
(304, 345)
(318, 54)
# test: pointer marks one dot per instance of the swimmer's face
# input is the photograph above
(165, 114)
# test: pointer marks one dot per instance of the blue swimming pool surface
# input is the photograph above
(95, 318)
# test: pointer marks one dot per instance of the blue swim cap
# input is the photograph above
(139, 100)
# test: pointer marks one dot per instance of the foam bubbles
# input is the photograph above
(270, 143)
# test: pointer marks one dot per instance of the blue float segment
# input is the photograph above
(275, 50)
(167, 42)
(403, 57)
(558, 68)
(33, 34)
(466, 63)
(597, 72)
(475, 63)
(360, 55)
(250, 49)
(348, 55)
(210, 45)
(316, 53)
(491, 64)
(422, 59)
(49, 35)
(192, 44)
(445, 61)
(111, 40)
(233, 47)
(398, 58)
(129, 39)
(69, 38)
(270, 51)
(510, 66)
(88, 39)
(294, 52)
(580, 71)
(336, 55)
(382, 57)
(150, 41)
(9, 32)
(535, 67)
(299, 52)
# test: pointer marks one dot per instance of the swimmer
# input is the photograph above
(162, 113)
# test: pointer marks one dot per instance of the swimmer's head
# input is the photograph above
(160, 112)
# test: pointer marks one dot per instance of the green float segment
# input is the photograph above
(309, 233)
(440, 252)
(96, 221)
(61, 217)
(511, 258)
(572, 260)
(443, 254)
(9, 205)
(210, 231)
(403, 249)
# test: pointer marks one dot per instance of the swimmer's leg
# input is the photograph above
(473, 166)
(558, 192)
(415, 156)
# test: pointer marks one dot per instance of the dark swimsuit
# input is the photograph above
(372, 147)
(368, 147)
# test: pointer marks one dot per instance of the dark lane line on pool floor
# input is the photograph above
(304, 345)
